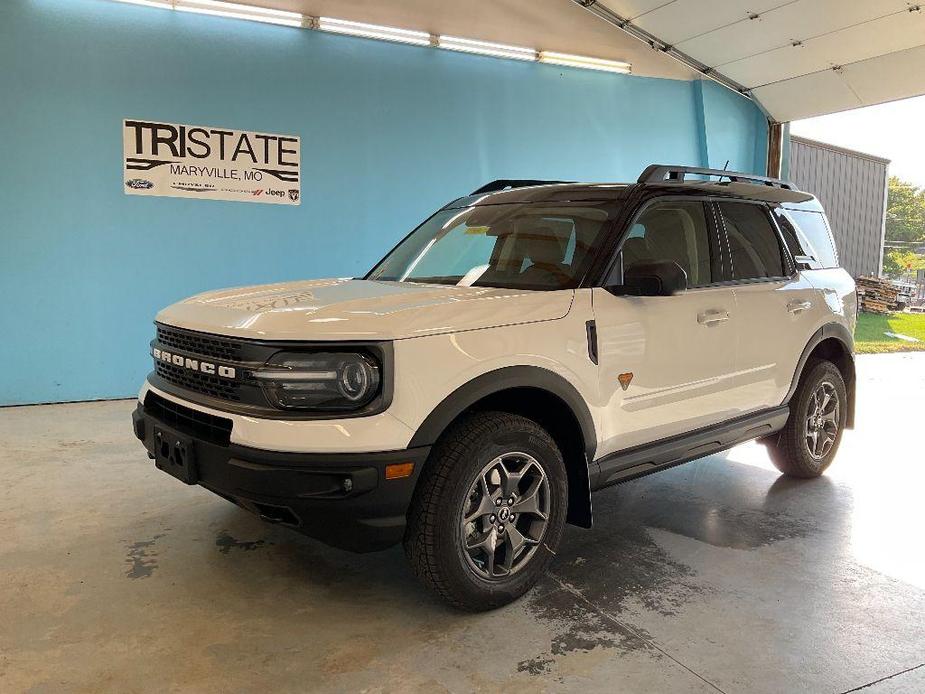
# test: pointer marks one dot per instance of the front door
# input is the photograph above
(666, 362)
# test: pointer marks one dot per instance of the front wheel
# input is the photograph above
(489, 511)
(807, 444)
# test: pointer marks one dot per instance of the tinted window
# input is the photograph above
(753, 243)
(528, 246)
(816, 237)
(674, 231)
(791, 236)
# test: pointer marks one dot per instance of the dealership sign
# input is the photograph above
(191, 161)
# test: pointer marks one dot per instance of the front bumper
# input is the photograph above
(342, 499)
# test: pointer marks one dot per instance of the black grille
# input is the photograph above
(189, 421)
(198, 382)
(197, 343)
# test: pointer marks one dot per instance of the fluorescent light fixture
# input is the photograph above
(162, 4)
(374, 31)
(236, 11)
(496, 50)
(585, 62)
(220, 8)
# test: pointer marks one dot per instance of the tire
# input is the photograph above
(791, 450)
(463, 498)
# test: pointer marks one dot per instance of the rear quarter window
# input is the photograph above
(812, 231)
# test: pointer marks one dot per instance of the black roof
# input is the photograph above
(667, 179)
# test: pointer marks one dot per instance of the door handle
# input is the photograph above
(711, 317)
(797, 306)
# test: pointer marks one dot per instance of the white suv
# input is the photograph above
(526, 345)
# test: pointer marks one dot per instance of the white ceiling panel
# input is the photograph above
(634, 9)
(821, 92)
(796, 21)
(878, 47)
(866, 83)
(887, 78)
(675, 22)
(893, 33)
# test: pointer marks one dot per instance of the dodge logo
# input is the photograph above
(194, 364)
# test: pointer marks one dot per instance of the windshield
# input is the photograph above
(520, 246)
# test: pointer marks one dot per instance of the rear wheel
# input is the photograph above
(489, 511)
(807, 444)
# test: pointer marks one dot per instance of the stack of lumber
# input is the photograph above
(877, 295)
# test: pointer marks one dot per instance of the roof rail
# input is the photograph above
(505, 183)
(658, 173)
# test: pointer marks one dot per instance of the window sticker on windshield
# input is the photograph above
(476, 230)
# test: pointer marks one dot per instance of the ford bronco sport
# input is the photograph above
(524, 346)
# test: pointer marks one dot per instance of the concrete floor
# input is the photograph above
(718, 575)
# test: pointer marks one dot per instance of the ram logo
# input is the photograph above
(194, 364)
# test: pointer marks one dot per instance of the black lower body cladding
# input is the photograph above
(342, 499)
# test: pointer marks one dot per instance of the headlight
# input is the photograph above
(320, 380)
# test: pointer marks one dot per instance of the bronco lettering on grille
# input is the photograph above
(194, 364)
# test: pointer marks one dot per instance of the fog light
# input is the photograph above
(396, 471)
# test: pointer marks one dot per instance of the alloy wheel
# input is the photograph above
(505, 515)
(822, 420)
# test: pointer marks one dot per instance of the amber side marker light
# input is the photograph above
(397, 471)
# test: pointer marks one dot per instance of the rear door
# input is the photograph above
(778, 308)
(665, 362)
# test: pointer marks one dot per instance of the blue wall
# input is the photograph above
(729, 125)
(389, 133)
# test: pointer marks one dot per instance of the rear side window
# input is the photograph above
(815, 236)
(754, 246)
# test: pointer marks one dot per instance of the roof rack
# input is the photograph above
(505, 183)
(658, 173)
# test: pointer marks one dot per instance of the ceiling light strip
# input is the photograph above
(588, 63)
(495, 50)
(160, 4)
(237, 11)
(374, 31)
(220, 8)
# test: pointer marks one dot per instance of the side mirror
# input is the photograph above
(805, 262)
(653, 278)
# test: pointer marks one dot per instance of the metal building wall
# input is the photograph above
(852, 188)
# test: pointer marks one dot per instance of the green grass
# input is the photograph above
(869, 337)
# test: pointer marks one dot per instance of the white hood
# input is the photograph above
(341, 309)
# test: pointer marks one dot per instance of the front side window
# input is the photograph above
(754, 246)
(673, 231)
(521, 246)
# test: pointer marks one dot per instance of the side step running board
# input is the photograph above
(643, 460)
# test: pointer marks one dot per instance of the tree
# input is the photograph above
(896, 264)
(905, 212)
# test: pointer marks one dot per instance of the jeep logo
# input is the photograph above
(194, 364)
